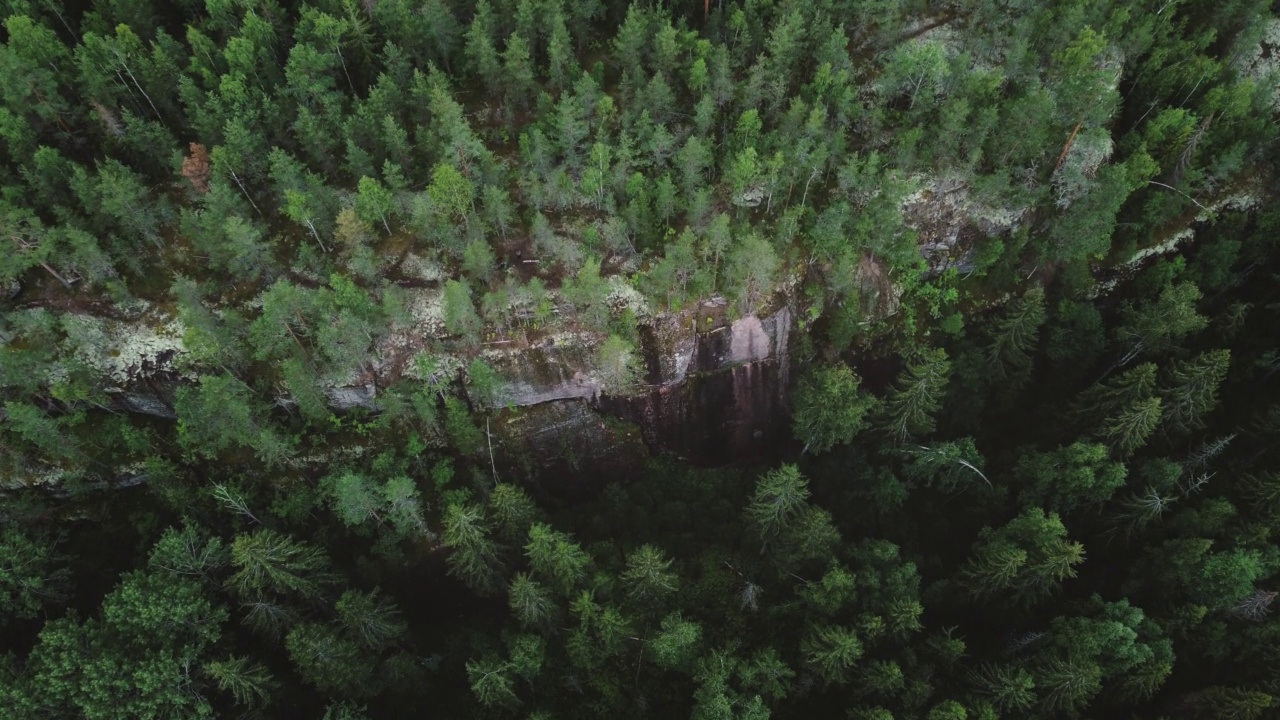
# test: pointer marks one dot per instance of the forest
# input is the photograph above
(339, 341)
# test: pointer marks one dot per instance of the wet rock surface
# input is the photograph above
(565, 442)
(729, 405)
(713, 390)
(714, 397)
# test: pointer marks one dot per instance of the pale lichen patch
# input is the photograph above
(420, 268)
(623, 295)
(124, 351)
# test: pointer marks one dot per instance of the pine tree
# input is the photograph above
(369, 618)
(948, 465)
(1015, 334)
(1105, 399)
(676, 643)
(482, 57)
(910, 407)
(531, 603)
(249, 682)
(1008, 687)
(513, 511)
(779, 498)
(269, 561)
(1157, 325)
(1228, 702)
(374, 203)
(329, 661)
(555, 557)
(1130, 428)
(1024, 560)
(619, 371)
(648, 577)
(1066, 686)
(1125, 410)
(491, 682)
(354, 498)
(829, 407)
(474, 556)
(32, 575)
(517, 71)
(1192, 390)
(1070, 477)
(832, 651)
(460, 316)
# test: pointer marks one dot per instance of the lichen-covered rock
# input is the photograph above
(420, 268)
(949, 220)
(125, 352)
(350, 398)
(751, 197)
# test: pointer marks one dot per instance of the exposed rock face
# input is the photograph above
(147, 404)
(949, 221)
(713, 389)
(729, 404)
(561, 440)
(350, 398)
(714, 395)
(546, 373)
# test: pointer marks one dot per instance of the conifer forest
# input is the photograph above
(723, 360)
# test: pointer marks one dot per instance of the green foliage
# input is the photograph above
(832, 652)
(31, 574)
(1193, 390)
(648, 577)
(948, 465)
(1014, 335)
(619, 365)
(329, 661)
(266, 561)
(1220, 701)
(221, 413)
(1024, 560)
(133, 661)
(513, 511)
(461, 428)
(1079, 475)
(1156, 325)
(483, 382)
(492, 682)
(676, 642)
(779, 499)
(829, 407)
(555, 558)
(530, 602)
(248, 682)
(369, 618)
(474, 555)
(374, 203)
(1007, 687)
(1124, 409)
(220, 221)
(460, 316)
(910, 407)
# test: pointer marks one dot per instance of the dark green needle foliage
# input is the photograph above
(731, 361)
(830, 408)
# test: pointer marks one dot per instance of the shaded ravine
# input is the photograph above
(714, 397)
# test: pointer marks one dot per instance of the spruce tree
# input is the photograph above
(1191, 390)
(474, 556)
(1015, 334)
(910, 407)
